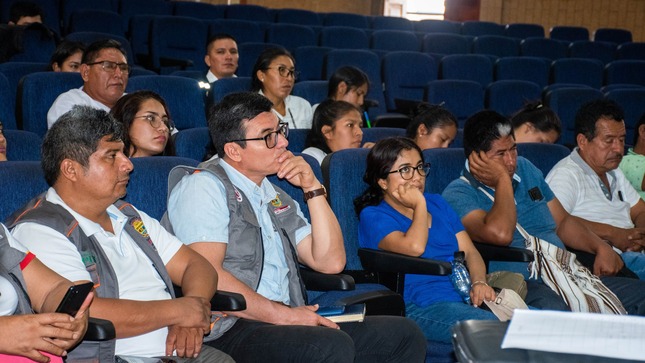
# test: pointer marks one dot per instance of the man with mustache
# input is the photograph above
(521, 195)
(80, 229)
(105, 71)
(591, 187)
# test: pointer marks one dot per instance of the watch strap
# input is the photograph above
(315, 193)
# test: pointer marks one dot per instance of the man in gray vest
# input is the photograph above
(81, 230)
(255, 236)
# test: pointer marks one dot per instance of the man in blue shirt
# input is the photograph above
(522, 196)
(255, 236)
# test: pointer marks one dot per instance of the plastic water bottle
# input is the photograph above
(460, 277)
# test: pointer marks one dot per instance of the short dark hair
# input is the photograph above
(92, 50)
(379, 162)
(592, 111)
(264, 61)
(542, 117)
(126, 109)
(327, 112)
(484, 127)
(76, 135)
(352, 76)
(432, 116)
(226, 118)
(216, 37)
(20, 9)
(64, 50)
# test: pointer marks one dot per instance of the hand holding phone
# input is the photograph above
(74, 298)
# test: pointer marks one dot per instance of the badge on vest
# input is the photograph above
(276, 203)
(138, 226)
(278, 208)
(238, 195)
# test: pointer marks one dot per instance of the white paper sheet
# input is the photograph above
(605, 335)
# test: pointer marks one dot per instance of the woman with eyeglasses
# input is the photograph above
(147, 122)
(396, 215)
(336, 126)
(273, 76)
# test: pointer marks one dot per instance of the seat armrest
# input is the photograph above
(99, 330)
(318, 281)
(383, 261)
(228, 301)
(503, 253)
(222, 300)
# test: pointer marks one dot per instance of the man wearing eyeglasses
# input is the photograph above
(255, 236)
(105, 71)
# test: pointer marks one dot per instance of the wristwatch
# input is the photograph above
(316, 192)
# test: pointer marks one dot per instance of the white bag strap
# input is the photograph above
(520, 229)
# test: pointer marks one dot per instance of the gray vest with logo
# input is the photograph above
(10, 259)
(245, 251)
(54, 216)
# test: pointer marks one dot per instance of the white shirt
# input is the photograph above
(317, 154)
(65, 101)
(137, 278)
(8, 294)
(578, 188)
(211, 77)
(298, 112)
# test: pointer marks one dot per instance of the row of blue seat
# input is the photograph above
(59, 14)
(153, 37)
(187, 103)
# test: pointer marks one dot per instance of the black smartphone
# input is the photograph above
(74, 298)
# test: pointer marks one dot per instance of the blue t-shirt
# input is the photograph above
(376, 222)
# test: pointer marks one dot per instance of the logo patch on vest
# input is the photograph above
(276, 202)
(138, 226)
(238, 196)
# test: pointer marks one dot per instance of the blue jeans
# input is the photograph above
(376, 339)
(436, 320)
(540, 296)
(630, 292)
(635, 261)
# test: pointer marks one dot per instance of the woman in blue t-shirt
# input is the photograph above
(395, 215)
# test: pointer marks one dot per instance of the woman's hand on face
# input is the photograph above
(408, 195)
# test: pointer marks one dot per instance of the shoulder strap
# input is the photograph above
(519, 228)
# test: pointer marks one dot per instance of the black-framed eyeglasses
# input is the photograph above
(156, 121)
(407, 172)
(110, 66)
(286, 72)
(271, 139)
